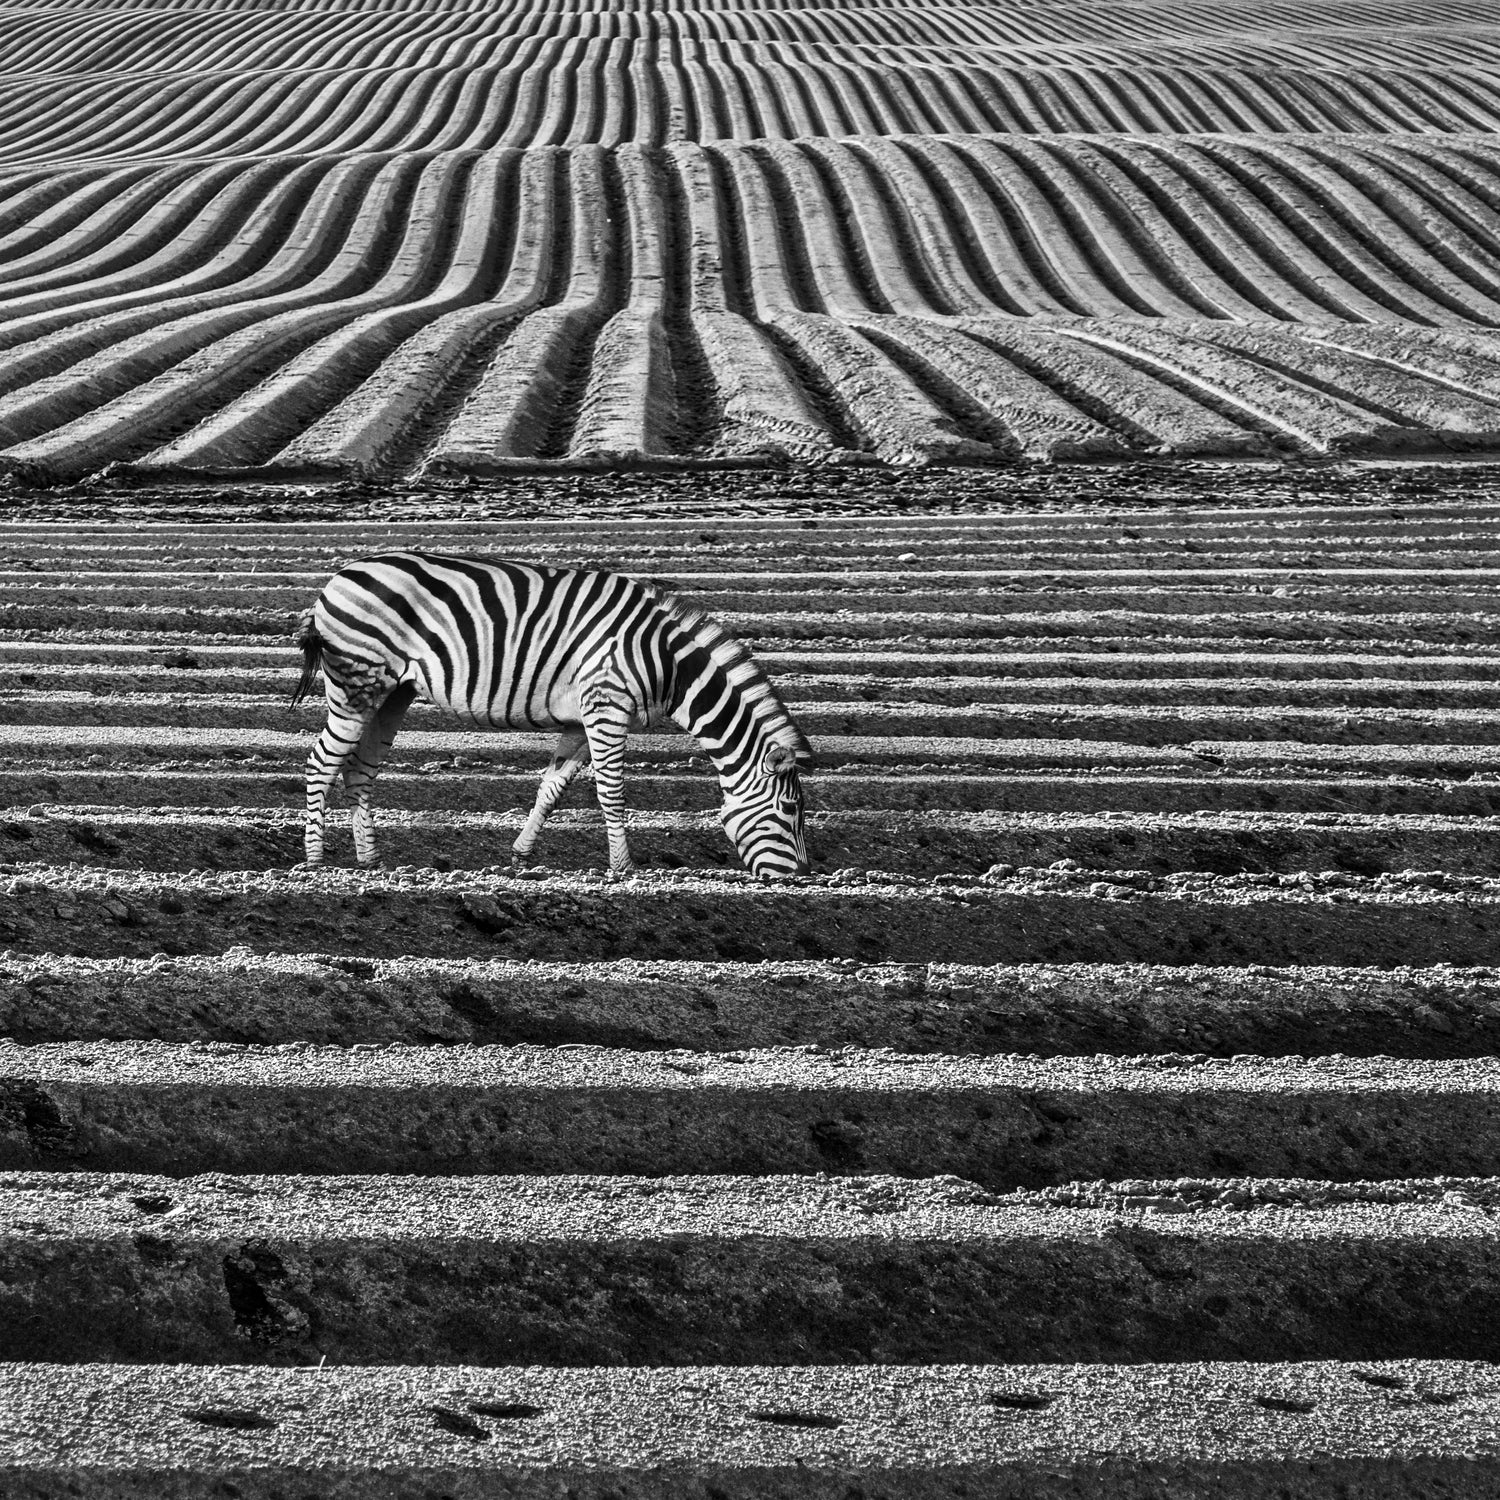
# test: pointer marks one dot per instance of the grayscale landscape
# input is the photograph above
(1086, 415)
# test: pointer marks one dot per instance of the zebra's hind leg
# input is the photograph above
(569, 757)
(360, 771)
(606, 724)
(331, 750)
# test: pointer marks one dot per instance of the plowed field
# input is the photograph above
(404, 240)
(1114, 1111)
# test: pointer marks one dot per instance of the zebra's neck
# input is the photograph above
(718, 693)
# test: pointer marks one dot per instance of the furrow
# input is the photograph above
(512, 413)
(1036, 917)
(914, 1431)
(508, 1271)
(1001, 1122)
(924, 844)
(717, 1007)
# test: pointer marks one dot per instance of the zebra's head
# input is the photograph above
(762, 815)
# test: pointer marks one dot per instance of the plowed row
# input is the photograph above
(612, 91)
(234, 80)
(1118, 1023)
(955, 299)
(449, 241)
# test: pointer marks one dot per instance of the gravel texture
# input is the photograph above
(246, 997)
(913, 843)
(447, 786)
(1258, 1431)
(780, 1270)
(1134, 1013)
(1028, 916)
(1001, 1121)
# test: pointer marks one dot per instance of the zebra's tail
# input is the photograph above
(311, 645)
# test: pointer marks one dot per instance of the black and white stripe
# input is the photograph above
(510, 646)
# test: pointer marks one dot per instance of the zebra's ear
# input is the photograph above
(778, 758)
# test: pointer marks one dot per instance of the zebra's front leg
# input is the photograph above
(606, 724)
(359, 777)
(331, 750)
(569, 757)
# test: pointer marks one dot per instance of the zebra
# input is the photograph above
(590, 653)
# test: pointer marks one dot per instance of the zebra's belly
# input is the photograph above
(558, 709)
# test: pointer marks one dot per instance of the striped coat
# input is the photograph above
(591, 654)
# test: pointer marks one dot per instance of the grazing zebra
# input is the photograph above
(591, 654)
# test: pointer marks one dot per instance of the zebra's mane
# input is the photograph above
(735, 661)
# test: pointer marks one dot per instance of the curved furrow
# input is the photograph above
(702, 102)
(466, 120)
(1468, 100)
(298, 231)
(559, 89)
(1125, 397)
(1464, 361)
(925, 99)
(823, 94)
(1114, 103)
(762, 99)
(1403, 396)
(375, 424)
(1008, 408)
(679, 113)
(947, 252)
(1334, 183)
(637, 115)
(1003, 245)
(1296, 412)
(888, 104)
(833, 273)
(1265, 233)
(778, 278)
(1210, 233)
(1435, 206)
(229, 115)
(1078, 108)
(519, 405)
(798, 105)
(244, 433)
(880, 241)
(321, 108)
(734, 105)
(106, 199)
(129, 120)
(627, 413)
(1053, 252)
(1118, 232)
(281, 326)
(792, 263)
(580, 106)
(1167, 257)
(1388, 245)
(178, 228)
(385, 119)
(522, 116)
(1200, 101)
(763, 411)
(27, 192)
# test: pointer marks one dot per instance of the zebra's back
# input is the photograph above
(502, 644)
